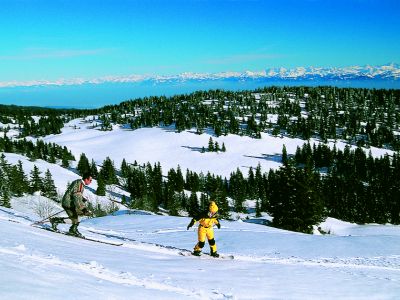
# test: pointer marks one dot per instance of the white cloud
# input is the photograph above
(45, 53)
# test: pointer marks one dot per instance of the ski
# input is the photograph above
(48, 228)
(221, 256)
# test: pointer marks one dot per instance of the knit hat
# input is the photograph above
(213, 207)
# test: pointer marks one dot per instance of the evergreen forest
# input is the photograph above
(314, 183)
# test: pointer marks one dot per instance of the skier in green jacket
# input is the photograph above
(74, 205)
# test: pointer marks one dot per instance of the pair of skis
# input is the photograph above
(48, 228)
(182, 252)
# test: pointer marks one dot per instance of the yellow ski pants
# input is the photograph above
(202, 233)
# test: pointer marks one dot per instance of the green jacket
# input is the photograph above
(73, 197)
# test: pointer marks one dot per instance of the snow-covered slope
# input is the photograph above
(171, 149)
(354, 262)
(360, 263)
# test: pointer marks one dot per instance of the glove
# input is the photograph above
(219, 225)
(190, 224)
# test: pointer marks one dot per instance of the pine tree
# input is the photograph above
(36, 182)
(296, 202)
(93, 170)
(258, 208)
(193, 208)
(64, 161)
(124, 168)
(4, 163)
(216, 147)
(108, 172)
(5, 195)
(83, 165)
(251, 184)
(223, 149)
(49, 189)
(101, 186)
(123, 200)
(222, 202)
(17, 174)
(179, 181)
(210, 145)
(175, 204)
(136, 184)
(157, 184)
(204, 201)
(284, 155)
(237, 190)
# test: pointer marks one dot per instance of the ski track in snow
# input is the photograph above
(379, 263)
(388, 263)
(387, 267)
(96, 270)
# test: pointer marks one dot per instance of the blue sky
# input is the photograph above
(48, 40)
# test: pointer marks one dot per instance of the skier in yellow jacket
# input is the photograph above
(206, 221)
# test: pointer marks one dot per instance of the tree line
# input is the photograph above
(364, 117)
(315, 183)
(49, 152)
(14, 182)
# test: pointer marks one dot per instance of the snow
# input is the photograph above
(352, 262)
(171, 149)
(269, 263)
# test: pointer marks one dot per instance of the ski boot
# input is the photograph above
(55, 221)
(196, 252)
(74, 231)
(214, 254)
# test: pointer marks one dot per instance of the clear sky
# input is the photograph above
(48, 40)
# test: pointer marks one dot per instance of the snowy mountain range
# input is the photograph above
(384, 72)
(389, 71)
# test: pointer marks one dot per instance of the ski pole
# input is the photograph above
(41, 221)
